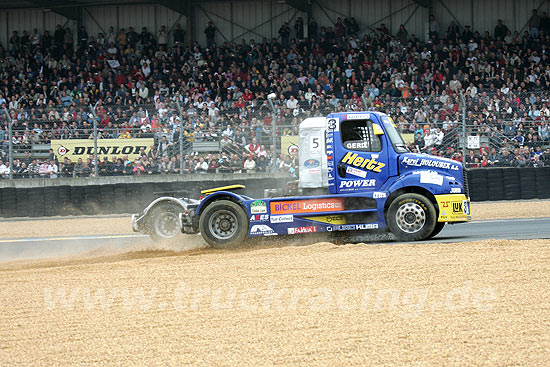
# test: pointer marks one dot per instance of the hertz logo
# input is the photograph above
(368, 164)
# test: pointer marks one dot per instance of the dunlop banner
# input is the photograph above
(84, 148)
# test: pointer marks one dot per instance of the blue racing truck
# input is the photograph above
(356, 174)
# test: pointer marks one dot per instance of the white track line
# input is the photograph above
(14, 240)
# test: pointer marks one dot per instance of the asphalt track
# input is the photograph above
(50, 247)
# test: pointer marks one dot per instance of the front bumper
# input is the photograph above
(453, 208)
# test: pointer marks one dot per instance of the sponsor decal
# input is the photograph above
(424, 162)
(377, 129)
(61, 151)
(357, 145)
(352, 227)
(111, 148)
(356, 172)
(379, 195)
(307, 206)
(456, 190)
(258, 207)
(453, 208)
(329, 219)
(311, 163)
(290, 144)
(299, 230)
(357, 184)
(262, 229)
(431, 177)
(314, 171)
(259, 217)
(466, 207)
(282, 218)
(358, 116)
(353, 159)
(457, 208)
(293, 149)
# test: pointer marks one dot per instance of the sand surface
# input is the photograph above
(477, 304)
(122, 225)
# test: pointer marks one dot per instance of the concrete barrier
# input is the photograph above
(109, 195)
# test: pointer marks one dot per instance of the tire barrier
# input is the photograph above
(110, 198)
(509, 183)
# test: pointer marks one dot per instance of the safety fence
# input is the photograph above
(460, 126)
(51, 200)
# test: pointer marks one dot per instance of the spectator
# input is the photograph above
(213, 165)
(249, 164)
(163, 37)
(224, 163)
(500, 31)
(534, 24)
(210, 32)
(4, 170)
(139, 168)
(433, 27)
(262, 163)
(118, 168)
(52, 169)
(402, 34)
(201, 166)
(299, 28)
(312, 28)
(82, 37)
(494, 159)
(165, 166)
(284, 33)
(179, 35)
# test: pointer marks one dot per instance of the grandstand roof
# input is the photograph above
(58, 4)
(71, 8)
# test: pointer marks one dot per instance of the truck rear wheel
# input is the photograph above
(163, 221)
(223, 224)
(411, 217)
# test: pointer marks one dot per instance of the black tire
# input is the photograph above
(438, 228)
(228, 214)
(411, 217)
(163, 222)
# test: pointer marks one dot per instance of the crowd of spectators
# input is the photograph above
(134, 80)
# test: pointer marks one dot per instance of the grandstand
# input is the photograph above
(183, 86)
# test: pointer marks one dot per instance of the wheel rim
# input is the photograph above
(167, 224)
(223, 224)
(410, 217)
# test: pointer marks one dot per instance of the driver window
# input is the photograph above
(359, 135)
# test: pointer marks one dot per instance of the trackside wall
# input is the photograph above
(56, 197)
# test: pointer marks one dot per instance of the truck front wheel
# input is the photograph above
(411, 217)
(438, 227)
(223, 224)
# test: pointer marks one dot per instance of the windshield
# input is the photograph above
(394, 135)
